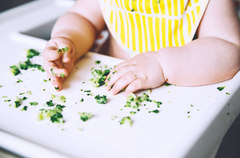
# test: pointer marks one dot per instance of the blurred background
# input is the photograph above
(229, 148)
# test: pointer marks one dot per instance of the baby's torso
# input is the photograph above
(149, 25)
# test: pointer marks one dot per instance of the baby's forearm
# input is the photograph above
(76, 28)
(203, 61)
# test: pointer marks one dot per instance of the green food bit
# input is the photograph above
(101, 99)
(82, 100)
(49, 79)
(87, 91)
(24, 108)
(99, 77)
(57, 88)
(52, 71)
(43, 89)
(191, 105)
(133, 112)
(143, 98)
(126, 121)
(18, 81)
(63, 50)
(106, 84)
(81, 89)
(50, 103)
(228, 113)
(84, 116)
(30, 53)
(63, 75)
(44, 80)
(54, 115)
(154, 111)
(149, 91)
(92, 68)
(14, 70)
(0, 86)
(158, 104)
(221, 88)
(24, 98)
(33, 103)
(132, 10)
(109, 78)
(4, 97)
(113, 117)
(167, 84)
(188, 112)
(97, 62)
(89, 94)
(114, 72)
(188, 116)
(58, 98)
(132, 101)
(17, 102)
(83, 82)
(7, 100)
(29, 92)
(227, 93)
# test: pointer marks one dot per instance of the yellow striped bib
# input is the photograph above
(149, 25)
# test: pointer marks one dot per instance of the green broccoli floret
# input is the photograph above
(7, 100)
(24, 98)
(132, 101)
(126, 121)
(97, 62)
(143, 98)
(154, 111)
(24, 108)
(58, 98)
(44, 80)
(18, 81)
(167, 84)
(50, 103)
(133, 112)
(99, 77)
(101, 99)
(62, 74)
(54, 115)
(30, 53)
(14, 70)
(57, 88)
(63, 50)
(52, 71)
(33, 103)
(4, 97)
(17, 102)
(85, 116)
(221, 88)
(82, 100)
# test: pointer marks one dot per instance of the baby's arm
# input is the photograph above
(212, 58)
(76, 30)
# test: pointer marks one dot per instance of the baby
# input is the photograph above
(155, 39)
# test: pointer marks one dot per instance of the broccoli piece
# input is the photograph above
(4, 97)
(17, 102)
(50, 103)
(227, 93)
(29, 92)
(0, 86)
(113, 117)
(132, 101)
(87, 91)
(143, 98)
(14, 70)
(63, 50)
(99, 77)
(58, 98)
(101, 100)
(57, 88)
(114, 72)
(30, 53)
(18, 81)
(7, 100)
(24, 98)
(85, 116)
(54, 115)
(167, 84)
(154, 111)
(33, 103)
(62, 74)
(221, 88)
(44, 80)
(24, 108)
(52, 71)
(82, 100)
(158, 104)
(97, 62)
(126, 121)
(59, 108)
(133, 112)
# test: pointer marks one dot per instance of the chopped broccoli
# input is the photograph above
(63, 75)
(43, 89)
(114, 72)
(109, 78)
(149, 91)
(30, 53)
(167, 84)
(4, 97)
(14, 70)
(63, 50)
(85, 116)
(158, 104)
(92, 68)
(29, 92)
(7, 100)
(18, 81)
(57, 88)
(143, 98)
(52, 71)
(113, 117)
(50, 103)
(58, 98)
(97, 62)
(44, 80)
(0, 86)
(133, 112)
(227, 93)
(221, 88)
(154, 111)
(99, 77)
(82, 100)
(87, 91)
(33, 103)
(101, 100)
(17, 102)
(126, 121)
(83, 82)
(24, 98)
(132, 101)
(24, 108)
(54, 115)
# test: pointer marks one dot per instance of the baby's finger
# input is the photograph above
(134, 86)
(66, 49)
(56, 82)
(123, 82)
(52, 69)
(50, 54)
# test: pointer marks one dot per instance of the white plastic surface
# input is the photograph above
(172, 133)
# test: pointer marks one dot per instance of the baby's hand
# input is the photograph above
(141, 72)
(58, 63)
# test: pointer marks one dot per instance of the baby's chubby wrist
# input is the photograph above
(162, 60)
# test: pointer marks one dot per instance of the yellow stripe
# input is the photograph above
(145, 32)
(147, 6)
(150, 24)
(193, 16)
(162, 6)
(133, 31)
(122, 4)
(122, 33)
(116, 23)
(157, 30)
(176, 23)
(175, 4)
(141, 6)
(182, 6)
(195, 1)
(169, 4)
(111, 17)
(170, 33)
(126, 3)
(164, 32)
(198, 9)
(189, 3)
(138, 20)
(127, 31)
(181, 32)
(116, 1)
(189, 24)
(134, 5)
(155, 7)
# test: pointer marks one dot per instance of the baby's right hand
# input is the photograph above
(58, 65)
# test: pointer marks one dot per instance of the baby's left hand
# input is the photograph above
(141, 72)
